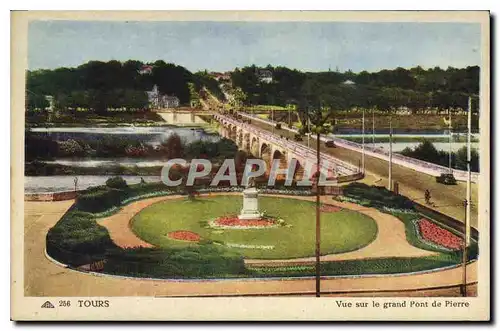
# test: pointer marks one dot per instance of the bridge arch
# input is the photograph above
(299, 169)
(246, 142)
(232, 132)
(283, 164)
(265, 154)
(239, 140)
(254, 147)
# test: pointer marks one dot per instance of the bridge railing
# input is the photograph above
(302, 151)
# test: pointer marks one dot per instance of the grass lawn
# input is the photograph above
(341, 231)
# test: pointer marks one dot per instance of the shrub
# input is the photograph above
(99, 200)
(77, 239)
(376, 196)
(366, 266)
(70, 147)
(116, 182)
(447, 179)
(197, 261)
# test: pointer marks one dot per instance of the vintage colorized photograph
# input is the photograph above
(232, 162)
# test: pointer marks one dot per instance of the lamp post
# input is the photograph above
(363, 139)
(467, 202)
(318, 222)
(75, 181)
(390, 154)
(272, 119)
(319, 126)
(450, 137)
(308, 131)
(463, 288)
(289, 118)
(373, 127)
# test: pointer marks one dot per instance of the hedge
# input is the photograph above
(203, 261)
(389, 202)
(375, 196)
(77, 239)
(392, 265)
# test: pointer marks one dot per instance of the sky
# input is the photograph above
(222, 46)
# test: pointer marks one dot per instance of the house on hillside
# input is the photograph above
(169, 101)
(157, 100)
(265, 76)
(218, 76)
(146, 70)
(153, 97)
(349, 82)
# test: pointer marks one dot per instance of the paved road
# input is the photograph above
(447, 198)
(44, 278)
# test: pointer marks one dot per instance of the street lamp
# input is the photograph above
(75, 181)
(319, 127)
(272, 119)
(373, 127)
(390, 153)
(463, 288)
(363, 139)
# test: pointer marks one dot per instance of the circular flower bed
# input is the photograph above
(233, 221)
(436, 234)
(184, 235)
(329, 209)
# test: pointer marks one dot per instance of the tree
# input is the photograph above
(173, 146)
(461, 159)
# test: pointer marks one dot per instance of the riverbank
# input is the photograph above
(114, 119)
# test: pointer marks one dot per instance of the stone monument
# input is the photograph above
(250, 209)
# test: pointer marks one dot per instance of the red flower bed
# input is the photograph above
(436, 234)
(329, 209)
(184, 235)
(236, 222)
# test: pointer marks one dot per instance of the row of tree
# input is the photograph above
(416, 89)
(426, 151)
(99, 86)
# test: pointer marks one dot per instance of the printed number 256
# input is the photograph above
(64, 303)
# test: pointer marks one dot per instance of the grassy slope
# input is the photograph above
(341, 232)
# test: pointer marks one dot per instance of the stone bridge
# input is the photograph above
(267, 146)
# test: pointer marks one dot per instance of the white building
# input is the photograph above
(157, 100)
(265, 76)
(146, 70)
(349, 82)
(169, 101)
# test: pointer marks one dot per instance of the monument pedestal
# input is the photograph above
(250, 209)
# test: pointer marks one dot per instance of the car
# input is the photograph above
(330, 144)
(447, 179)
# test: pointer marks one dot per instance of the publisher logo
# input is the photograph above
(48, 304)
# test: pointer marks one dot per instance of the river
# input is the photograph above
(149, 135)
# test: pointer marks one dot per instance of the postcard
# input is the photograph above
(250, 166)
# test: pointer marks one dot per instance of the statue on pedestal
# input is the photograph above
(250, 209)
